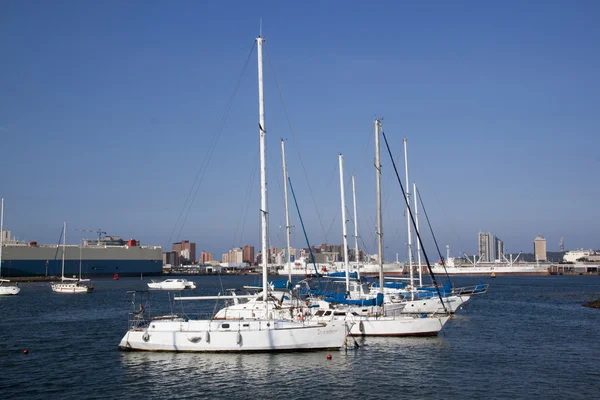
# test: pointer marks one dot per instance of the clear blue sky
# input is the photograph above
(108, 109)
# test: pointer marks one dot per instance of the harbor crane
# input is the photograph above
(99, 232)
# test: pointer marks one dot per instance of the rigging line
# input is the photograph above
(289, 121)
(366, 165)
(328, 185)
(244, 212)
(329, 229)
(209, 151)
(418, 194)
(248, 206)
(360, 238)
(59, 242)
(413, 222)
(279, 186)
(460, 242)
(312, 257)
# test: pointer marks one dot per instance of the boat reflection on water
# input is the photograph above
(170, 374)
(216, 374)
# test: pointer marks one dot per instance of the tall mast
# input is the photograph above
(63, 252)
(344, 233)
(418, 236)
(379, 219)
(408, 222)
(357, 252)
(80, 250)
(1, 233)
(263, 166)
(287, 214)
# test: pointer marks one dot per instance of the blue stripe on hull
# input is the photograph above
(89, 268)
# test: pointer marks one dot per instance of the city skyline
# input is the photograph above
(110, 111)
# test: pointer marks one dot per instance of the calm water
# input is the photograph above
(528, 337)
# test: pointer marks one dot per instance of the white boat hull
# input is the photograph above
(434, 305)
(9, 290)
(69, 288)
(172, 284)
(179, 335)
(401, 326)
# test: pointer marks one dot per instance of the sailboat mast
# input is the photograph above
(80, 250)
(418, 236)
(355, 223)
(287, 214)
(344, 233)
(1, 233)
(63, 252)
(263, 166)
(379, 219)
(410, 263)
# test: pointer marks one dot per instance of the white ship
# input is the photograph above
(458, 267)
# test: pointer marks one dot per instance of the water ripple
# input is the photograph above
(528, 337)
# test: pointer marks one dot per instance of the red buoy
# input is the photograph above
(25, 351)
(329, 356)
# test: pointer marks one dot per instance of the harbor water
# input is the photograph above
(528, 337)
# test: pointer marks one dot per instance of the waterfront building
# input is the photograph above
(573, 256)
(235, 256)
(539, 248)
(186, 251)
(248, 255)
(170, 258)
(205, 257)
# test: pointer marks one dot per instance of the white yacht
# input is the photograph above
(262, 331)
(172, 284)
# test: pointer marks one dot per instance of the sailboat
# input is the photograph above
(5, 287)
(262, 330)
(71, 285)
(414, 298)
(375, 320)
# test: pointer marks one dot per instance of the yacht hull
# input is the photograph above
(403, 326)
(70, 288)
(434, 305)
(179, 335)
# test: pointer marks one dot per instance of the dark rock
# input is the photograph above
(593, 304)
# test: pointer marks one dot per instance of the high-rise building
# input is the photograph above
(539, 248)
(490, 247)
(235, 256)
(186, 251)
(205, 257)
(248, 254)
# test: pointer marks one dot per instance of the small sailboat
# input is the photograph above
(71, 285)
(5, 287)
